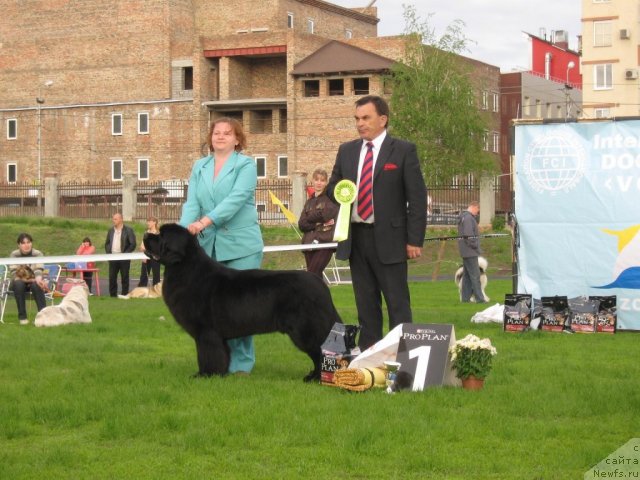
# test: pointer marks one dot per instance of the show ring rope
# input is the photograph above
(107, 257)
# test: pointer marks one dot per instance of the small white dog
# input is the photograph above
(74, 308)
(483, 264)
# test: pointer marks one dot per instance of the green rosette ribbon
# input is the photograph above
(345, 195)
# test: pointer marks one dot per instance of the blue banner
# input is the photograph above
(577, 204)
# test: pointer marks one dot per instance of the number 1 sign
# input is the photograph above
(423, 352)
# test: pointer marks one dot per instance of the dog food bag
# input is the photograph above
(555, 313)
(606, 316)
(338, 350)
(517, 312)
(582, 314)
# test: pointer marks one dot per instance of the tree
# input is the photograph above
(434, 103)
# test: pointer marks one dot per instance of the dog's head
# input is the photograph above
(171, 245)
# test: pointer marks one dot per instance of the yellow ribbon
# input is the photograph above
(345, 195)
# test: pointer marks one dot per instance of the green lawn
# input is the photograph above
(114, 399)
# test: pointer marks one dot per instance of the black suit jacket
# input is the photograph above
(127, 240)
(399, 196)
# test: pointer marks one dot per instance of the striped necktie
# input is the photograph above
(365, 190)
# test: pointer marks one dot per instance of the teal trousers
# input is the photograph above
(243, 355)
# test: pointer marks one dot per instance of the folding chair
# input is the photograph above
(4, 289)
(50, 273)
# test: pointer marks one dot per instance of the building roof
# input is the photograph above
(364, 14)
(338, 57)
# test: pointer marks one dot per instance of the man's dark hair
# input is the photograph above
(382, 107)
(23, 236)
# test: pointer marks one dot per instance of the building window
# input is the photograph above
(261, 121)
(361, 86)
(485, 141)
(283, 166)
(143, 169)
(602, 34)
(283, 120)
(12, 172)
(485, 100)
(289, 20)
(235, 114)
(310, 25)
(496, 102)
(348, 34)
(143, 123)
(116, 124)
(336, 86)
(311, 88)
(187, 78)
(12, 128)
(496, 142)
(261, 166)
(602, 112)
(603, 76)
(116, 170)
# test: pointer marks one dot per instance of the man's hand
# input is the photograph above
(413, 251)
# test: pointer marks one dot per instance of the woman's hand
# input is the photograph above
(198, 226)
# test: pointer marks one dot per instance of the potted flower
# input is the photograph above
(471, 358)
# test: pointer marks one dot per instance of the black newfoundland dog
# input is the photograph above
(214, 303)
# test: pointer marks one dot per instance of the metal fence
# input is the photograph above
(164, 199)
(21, 199)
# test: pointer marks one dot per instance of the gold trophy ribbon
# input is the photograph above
(345, 195)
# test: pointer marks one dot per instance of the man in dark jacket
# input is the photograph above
(388, 217)
(469, 248)
(120, 239)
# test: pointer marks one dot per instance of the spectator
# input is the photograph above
(149, 265)
(318, 222)
(27, 277)
(87, 248)
(469, 248)
(120, 239)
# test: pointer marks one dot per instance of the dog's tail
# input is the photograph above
(483, 264)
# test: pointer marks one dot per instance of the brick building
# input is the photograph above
(95, 90)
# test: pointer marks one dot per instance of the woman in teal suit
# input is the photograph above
(221, 210)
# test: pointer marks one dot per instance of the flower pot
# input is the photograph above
(472, 383)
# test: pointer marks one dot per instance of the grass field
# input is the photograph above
(114, 399)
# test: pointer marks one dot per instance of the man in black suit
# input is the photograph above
(120, 239)
(388, 217)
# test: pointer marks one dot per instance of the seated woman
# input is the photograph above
(27, 277)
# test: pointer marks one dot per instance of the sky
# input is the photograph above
(494, 26)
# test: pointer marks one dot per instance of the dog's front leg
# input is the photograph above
(213, 354)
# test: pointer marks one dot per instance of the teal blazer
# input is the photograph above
(228, 200)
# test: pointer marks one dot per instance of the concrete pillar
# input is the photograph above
(299, 193)
(223, 76)
(51, 197)
(129, 197)
(487, 201)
